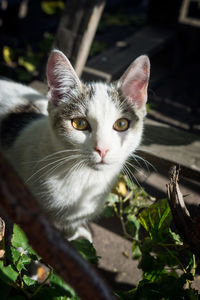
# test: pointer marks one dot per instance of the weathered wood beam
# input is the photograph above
(110, 64)
(77, 29)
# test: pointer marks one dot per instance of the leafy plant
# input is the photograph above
(25, 63)
(125, 201)
(121, 19)
(15, 280)
(168, 267)
(97, 47)
(52, 7)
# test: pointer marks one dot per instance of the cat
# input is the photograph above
(70, 147)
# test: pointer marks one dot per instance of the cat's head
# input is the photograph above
(102, 122)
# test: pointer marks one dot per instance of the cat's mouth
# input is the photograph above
(102, 162)
(99, 165)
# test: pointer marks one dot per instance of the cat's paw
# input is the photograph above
(82, 232)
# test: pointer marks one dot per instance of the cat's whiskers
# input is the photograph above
(54, 168)
(126, 170)
(51, 156)
(137, 169)
(146, 162)
(75, 168)
(61, 161)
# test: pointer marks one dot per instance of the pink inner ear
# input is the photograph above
(137, 91)
(61, 76)
(56, 61)
(135, 81)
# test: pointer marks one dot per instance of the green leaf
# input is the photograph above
(156, 219)
(147, 245)
(108, 212)
(136, 252)
(33, 255)
(86, 249)
(24, 260)
(19, 239)
(97, 47)
(19, 258)
(129, 209)
(151, 266)
(29, 66)
(7, 55)
(112, 199)
(176, 237)
(15, 254)
(60, 287)
(134, 221)
(52, 7)
(133, 225)
(7, 273)
(28, 281)
(130, 184)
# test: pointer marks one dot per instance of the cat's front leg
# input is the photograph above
(82, 232)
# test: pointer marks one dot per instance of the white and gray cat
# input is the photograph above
(70, 149)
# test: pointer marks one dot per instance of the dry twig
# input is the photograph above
(188, 227)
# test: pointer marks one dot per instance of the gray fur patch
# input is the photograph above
(125, 106)
(15, 121)
(76, 106)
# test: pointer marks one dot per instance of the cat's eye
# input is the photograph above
(80, 124)
(121, 124)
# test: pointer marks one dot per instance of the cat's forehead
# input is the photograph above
(96, 101)
(109, 100)
(103, 100)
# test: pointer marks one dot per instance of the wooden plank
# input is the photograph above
(165, 146)
(111, 63)
(77, 29)
(184, 18)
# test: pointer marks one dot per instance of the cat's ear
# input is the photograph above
(134, 81)
(61, 77)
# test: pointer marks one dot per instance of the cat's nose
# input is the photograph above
(102, 151)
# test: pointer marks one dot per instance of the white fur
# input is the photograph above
(74, 192)
(12, 93)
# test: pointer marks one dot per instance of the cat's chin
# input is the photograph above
(100, 166)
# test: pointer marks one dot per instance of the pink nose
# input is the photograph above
(102, 151)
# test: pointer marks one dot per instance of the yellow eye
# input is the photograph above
(121, 124)
(80, 124)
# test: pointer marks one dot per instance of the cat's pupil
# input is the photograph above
(81, 123)
(121, 123)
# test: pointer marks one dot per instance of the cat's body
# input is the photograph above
(71, 155)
